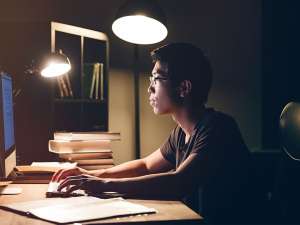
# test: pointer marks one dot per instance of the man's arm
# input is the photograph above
(153, 163)
(171, 184)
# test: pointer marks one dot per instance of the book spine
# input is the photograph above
(93, 82)
(79, 146)
(101, 82)
(64, 87)
(97, 81)
(96, 155)
(61, 93)
(94, 161)
(69, 87)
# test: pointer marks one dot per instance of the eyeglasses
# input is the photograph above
(153, 79)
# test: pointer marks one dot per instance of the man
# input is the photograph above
(204, 152)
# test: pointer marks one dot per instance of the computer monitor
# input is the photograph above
(7, 134)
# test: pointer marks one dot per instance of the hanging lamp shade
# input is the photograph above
(55, 64)
(140, 22)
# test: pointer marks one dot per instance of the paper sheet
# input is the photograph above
(10, 190)
(60, 210)
(60, 165)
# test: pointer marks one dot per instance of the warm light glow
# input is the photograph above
(55, 69)
(139, 29)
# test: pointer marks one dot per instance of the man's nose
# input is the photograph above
(150, 89)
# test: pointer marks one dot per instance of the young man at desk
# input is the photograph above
(204, 154)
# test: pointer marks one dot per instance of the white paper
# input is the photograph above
(88, 136)
(10, 190)
(60, 165)
(66, 210)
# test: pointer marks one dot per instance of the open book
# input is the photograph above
(74, 209)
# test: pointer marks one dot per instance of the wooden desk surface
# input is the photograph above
(169, 212)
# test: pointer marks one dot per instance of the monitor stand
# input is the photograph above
(10, 163)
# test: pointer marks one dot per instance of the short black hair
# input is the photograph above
(187, 62)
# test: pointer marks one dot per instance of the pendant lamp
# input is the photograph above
(140, 22)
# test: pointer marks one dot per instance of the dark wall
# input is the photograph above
(20, 43)
(281, 72)
(229, 31)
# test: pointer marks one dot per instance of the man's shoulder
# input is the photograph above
(218, 118)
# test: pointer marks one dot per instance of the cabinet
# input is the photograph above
(88, 51)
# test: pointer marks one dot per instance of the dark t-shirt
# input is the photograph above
(223, 172)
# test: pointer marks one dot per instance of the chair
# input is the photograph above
(290, 130)
(287, 188)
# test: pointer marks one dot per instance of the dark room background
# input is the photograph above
(252, 45)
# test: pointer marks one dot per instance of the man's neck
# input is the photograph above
(187, 118)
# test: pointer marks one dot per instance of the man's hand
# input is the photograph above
(85, 182)
(63, 173)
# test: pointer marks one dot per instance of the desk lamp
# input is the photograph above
(140, 22)
(54, 64)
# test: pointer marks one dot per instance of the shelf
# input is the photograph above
(88, 51)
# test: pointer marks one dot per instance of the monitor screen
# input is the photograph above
(8, 114)
(7, 134)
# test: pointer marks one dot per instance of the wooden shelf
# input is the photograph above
(88, 52)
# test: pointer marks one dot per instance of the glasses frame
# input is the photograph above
(154, 79)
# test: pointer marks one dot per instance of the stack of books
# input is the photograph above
(90, 150)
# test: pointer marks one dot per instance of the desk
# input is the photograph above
(169, 212)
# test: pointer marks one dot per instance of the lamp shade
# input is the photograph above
(55, 64)
(140, 22)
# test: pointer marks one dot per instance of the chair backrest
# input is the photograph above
(287, 187)
(290, 130)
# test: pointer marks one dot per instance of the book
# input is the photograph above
(76, 146)
(93, 155)
(61, 93)
(75, 209)
(64, 86)
(43, 167)
(87, 79)
(69, 87)
(33, 174)
(97, 80)
(101, 82)
(73, 136)
(5, 183)
(34, 178)
(94, 161)
(27, 169)
(93, 82)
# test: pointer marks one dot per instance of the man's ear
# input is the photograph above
(185, 88)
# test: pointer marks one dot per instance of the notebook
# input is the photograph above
(75, 209)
